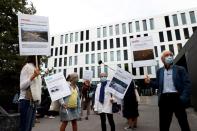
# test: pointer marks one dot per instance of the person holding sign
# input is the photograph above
(70, 105)
(174, 92)
(103, 103)
(30, 90)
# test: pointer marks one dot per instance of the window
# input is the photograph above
(145, 34)
(105, 56)
(161, 37)
(87, 34)
(87, 58)
(98, 32)
(76, 48)
(118, 55)
(179, 46)
(93, 46)
(92, 58)
(177, 34)
(194, 28)
(81, 47)
(152, 25)
(98, 56)
(60, 50)
(117, 30)
(144, 25)
(186, 33)
(98, 45)
(60, 62)
(126, 67)
(75, 70)
(105, 44)
(163, 48)
(81, 36)
(123, 28)
(66, 38)
(137, 25)
(133, 70)
(141, 71)
(192, 17)
(149, 71)
(130, 27)
(52, 41)
(171, 48)
(93, 70)
(51, 51)
(76, 36)
(110, 30)
(183, 18)
(111, 43)
(111, 55)
(87, 68)
(124, 41)
(65, 50)
(156, 52)
(106, 69)
(80, 72)
(76, 60)
(70, 61)
(167, 21)
(61, 39)
(125, 55)
(104, 31)
(131, 37)
(64, 72)
(169, 34)
(71, 37)
(55, 62)
(138, 35)
(87, 47)
(65, 61)
(117, 42)
(99, 71)
(175, 20)
(56, 51)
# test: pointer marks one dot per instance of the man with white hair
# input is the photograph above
(174, 90)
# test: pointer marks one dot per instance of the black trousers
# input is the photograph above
(103, 121)
(170, 103)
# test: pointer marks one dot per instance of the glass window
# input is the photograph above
(192, 17)
(106, 69)
(117, 30)
(144, 25)
(161, 37)
(93, 70)
(145, 34)
(56, 51)
(169, 34)
(99, 71)
(175, 20)
(125, 55)
(65, 61)
(118, 55)
(105, 44)
(81, 36)
(65, 50)
(137, 25)
(156, 52)
(123, 28)
(163, 48)
(87, 34)
(179, 46)
(111, 55)
(124, 41)
(75, 70)
(167, 21)
(60, 62)
(98, 45)
(171, 48)
(183, 18)
(98, 32)
(64, 72)
(87, 47)
(111, 43)
(60, 50)
(186, 33)
(134, 71)
(55, 62)
(126, 67)
(110, 30)
(130, 27)
(61, 39)
(92, 58)
(194, 28)
(52, 41)
(177, 34)
(66, 38)
(76, 36)
(149, 70)
(117, 42)
(152, 24)
(87, 58)
(105, 56)
(104, 31)
(71, 37)
(98, 56)
(76, 60)
(70, 61)
(138, 35)
(93, 46)
(80, 72)
(51, 51)
(141, 70)
(76, 48)
(81, 47)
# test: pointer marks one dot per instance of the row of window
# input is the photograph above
(183, 17)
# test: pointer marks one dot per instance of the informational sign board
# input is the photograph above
(57, 86)
(87, 75)
(33, 35)
(119, 83)
(143, 51)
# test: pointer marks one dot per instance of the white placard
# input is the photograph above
(143, 51)
(57, 86)
(87, 75)
(34, 36)
(119, 83)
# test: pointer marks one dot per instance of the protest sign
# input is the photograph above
(87, 75)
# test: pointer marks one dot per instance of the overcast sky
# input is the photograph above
(70, 15)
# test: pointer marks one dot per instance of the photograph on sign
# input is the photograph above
(143, 55)
(57, 86)
(119, 83)
(33, 35)
(87, 75)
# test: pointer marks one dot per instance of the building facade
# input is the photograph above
(81, 50)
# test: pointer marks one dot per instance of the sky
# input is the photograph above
(71, 15)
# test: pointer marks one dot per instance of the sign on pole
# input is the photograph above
(119, 83)
(57, 86)
(143, 51)
(87, 75)
(33, 35)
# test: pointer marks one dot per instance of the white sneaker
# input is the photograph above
(128, 128)
(51, 117)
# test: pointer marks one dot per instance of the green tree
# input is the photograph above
(10, 61)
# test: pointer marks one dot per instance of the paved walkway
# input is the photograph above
(148, 120)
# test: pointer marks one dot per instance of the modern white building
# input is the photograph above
(81, 50)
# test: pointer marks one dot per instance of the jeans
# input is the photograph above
(27, 115)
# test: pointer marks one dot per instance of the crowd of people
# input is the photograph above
(172, 82)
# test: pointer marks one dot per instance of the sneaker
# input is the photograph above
(51, 117)
(128, 128)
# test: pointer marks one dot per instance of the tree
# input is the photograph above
(10, 61)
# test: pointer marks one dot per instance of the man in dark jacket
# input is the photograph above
(174, 90)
